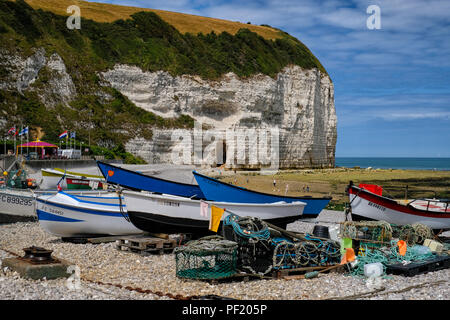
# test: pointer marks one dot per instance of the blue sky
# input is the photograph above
(392, 85)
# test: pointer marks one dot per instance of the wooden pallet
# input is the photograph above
(145, 245)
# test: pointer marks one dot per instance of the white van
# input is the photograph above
(69, 153)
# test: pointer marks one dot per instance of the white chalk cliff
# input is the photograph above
(299, 102)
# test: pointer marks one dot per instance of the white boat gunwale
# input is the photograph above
(83, 206)
(214, 203)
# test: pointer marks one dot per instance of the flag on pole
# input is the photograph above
(63, 135)
(23, 131)
(73, 135)
(12, 130)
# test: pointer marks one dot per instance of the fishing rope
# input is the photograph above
(410, 255)
(413, 234)
(247, 228)
(124, 215)
(253, 237)
(385, 258)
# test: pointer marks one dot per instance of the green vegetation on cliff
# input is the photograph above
(151, 43)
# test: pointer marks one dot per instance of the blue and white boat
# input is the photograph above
(82, 216)
(138, 181)
(215, 190)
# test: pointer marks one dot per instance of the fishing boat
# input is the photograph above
(16, 205)
(70, 180)
(68, 216)
(216, 190)
(17, 196)
(138, 181)
(368, 203)
(173, 214)
(19, 205)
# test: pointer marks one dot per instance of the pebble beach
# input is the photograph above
(105, 272)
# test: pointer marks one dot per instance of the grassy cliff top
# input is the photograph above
(184, 23)
(144, 38)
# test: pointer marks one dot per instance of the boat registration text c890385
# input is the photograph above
(16, 200)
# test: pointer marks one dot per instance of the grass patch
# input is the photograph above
(184, 23)
(333, 182)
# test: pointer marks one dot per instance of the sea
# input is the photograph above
(437, 164)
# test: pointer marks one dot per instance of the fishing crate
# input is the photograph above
(145, 245)
(414, 268)
(208, 258)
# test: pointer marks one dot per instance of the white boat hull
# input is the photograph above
(172, 214)
(16, 205)
(65, 215)
(369, 206)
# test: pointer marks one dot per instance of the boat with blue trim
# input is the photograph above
(68, 216)
(215, 190)
(138, 181)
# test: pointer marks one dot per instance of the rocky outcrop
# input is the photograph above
(23, 73)
(298, 103)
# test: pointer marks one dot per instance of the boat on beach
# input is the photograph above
(17, 200)
(67, 215)
(173, 214)
(368, 203)
(138, 181)
(16, 205)
(216, 190)
(70, 180)
(19, 205)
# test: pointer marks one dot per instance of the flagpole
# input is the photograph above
(21, 140)
(28, 141)
(15, 150)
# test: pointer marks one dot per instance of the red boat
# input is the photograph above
(368, 203)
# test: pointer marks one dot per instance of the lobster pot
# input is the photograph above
(367, 231)
(206, 259)
(313, 253)
(254, 254)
